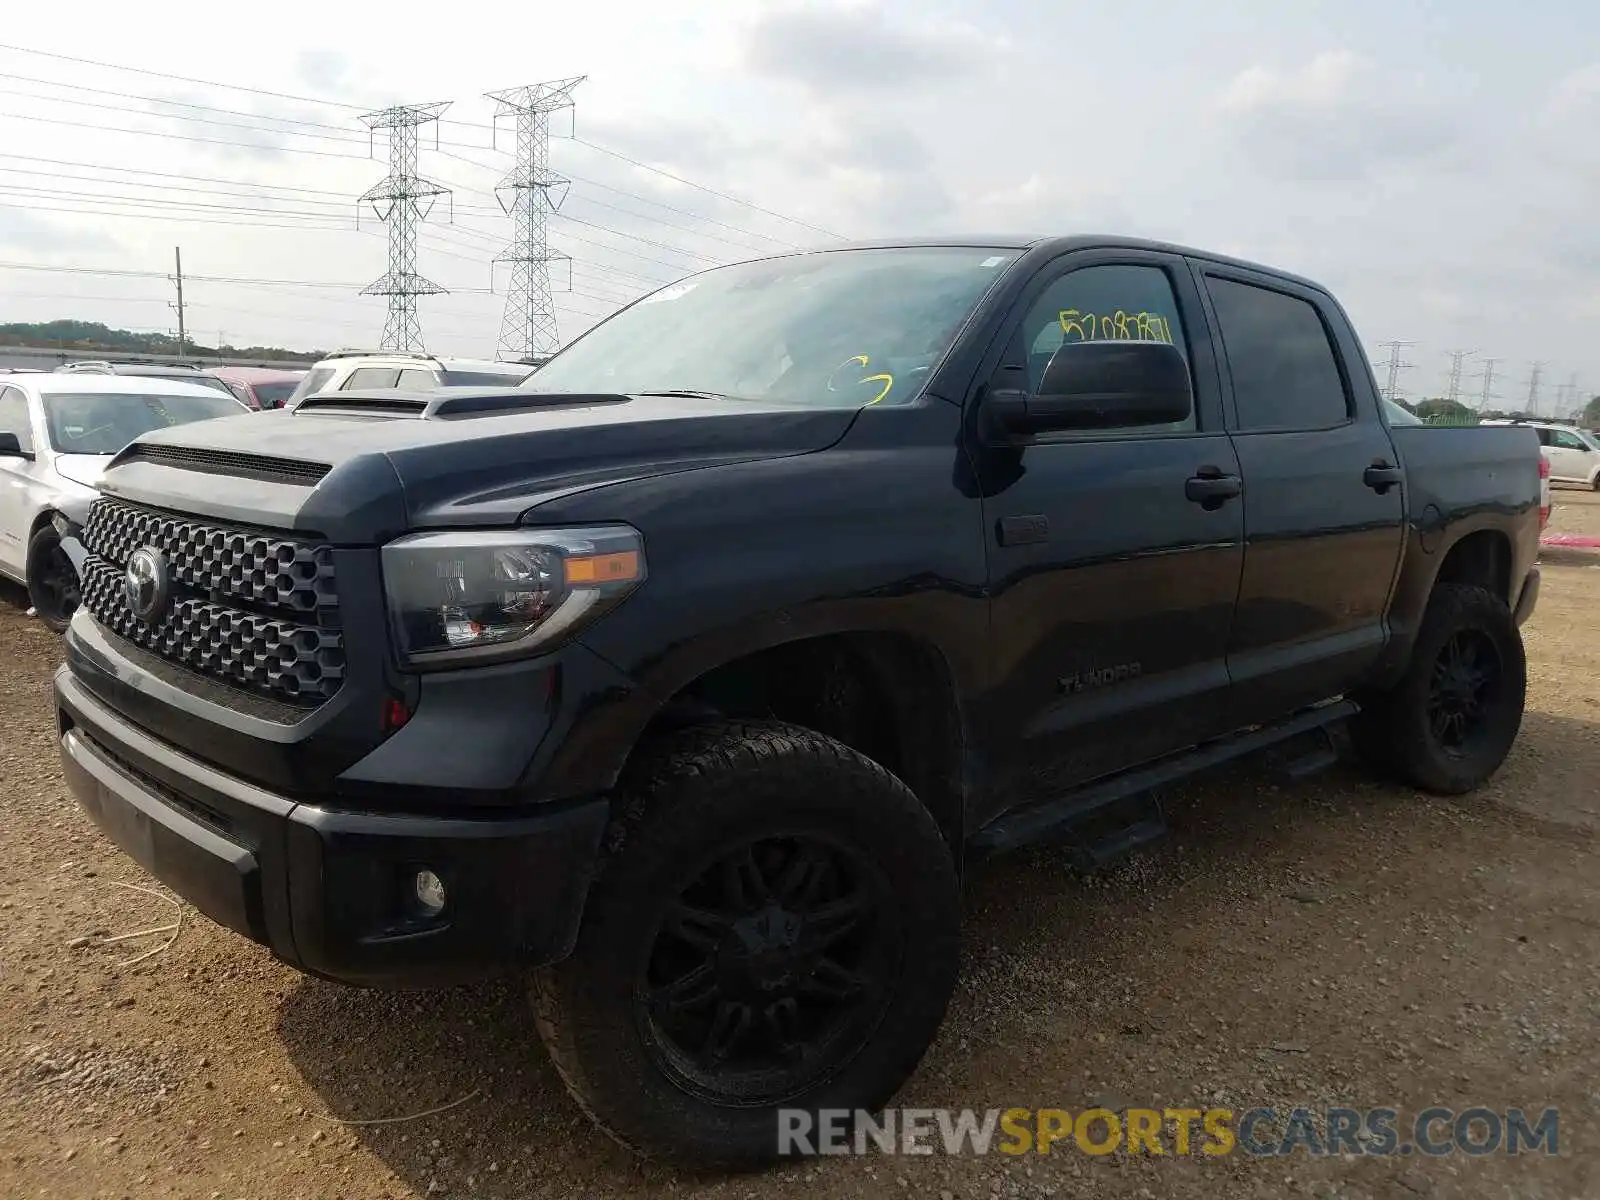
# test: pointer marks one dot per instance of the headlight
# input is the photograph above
(482, 595)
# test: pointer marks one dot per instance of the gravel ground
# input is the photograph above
(1336, 941)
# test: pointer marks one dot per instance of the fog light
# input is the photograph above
(429, 891)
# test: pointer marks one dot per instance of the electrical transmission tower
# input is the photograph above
(1533, 388)
(528, 328)
(1569, 395)
(401, 199)
(1488, 393)
(1392, 391)
(1453, 388)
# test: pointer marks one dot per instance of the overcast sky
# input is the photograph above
(1436, 164)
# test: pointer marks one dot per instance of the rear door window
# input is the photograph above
(1285, 375)
(415, 379)
(371, 377)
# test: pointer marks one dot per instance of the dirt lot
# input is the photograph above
(1331, 942)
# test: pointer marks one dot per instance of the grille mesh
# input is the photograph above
(249, 609)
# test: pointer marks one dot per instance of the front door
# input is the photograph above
(1571, 461)
(1323, 504)
(1113, 577)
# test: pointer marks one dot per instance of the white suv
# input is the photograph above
(1574, 454)
(57, 433)
(347, 370)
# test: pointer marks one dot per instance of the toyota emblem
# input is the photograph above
(145, 584)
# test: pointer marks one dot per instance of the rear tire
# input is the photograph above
(53, 588)
(775, 924)
(1449, 723)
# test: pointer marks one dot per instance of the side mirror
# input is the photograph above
(11, 447)
(1103, 385)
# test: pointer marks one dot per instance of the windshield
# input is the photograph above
(312, 382)
(841, 328)
(272, 395)
(105, 422)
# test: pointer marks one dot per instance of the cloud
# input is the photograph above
(21, 232)
(855, 50)
(1336, 118)
(322, 70)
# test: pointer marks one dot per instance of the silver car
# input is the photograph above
(57, 433)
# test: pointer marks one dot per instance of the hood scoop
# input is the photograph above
(264, 467)
(446, 404)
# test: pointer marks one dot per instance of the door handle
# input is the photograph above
(1210, 488)
(1381, 476)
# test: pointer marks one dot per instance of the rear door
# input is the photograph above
(16, 481)
(1112, 589)
(1324, 502)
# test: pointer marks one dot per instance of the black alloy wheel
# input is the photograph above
(1463, 689)
(774, 925)
(54, 590)
(774, 965)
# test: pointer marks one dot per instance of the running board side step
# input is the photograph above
(1061, 818)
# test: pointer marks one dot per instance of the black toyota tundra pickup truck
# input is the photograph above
(690, 676)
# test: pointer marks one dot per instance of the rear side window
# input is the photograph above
(371, 377)
(416, 380)
(1285, 375)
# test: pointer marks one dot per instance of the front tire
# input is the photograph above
(1449, 723)
(53, 588)
(775, 926)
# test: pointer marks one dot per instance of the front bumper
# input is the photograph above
(329, 890)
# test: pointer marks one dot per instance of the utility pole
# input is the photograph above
(177, 262)
(401, 199)
(1533, 388)
(529, 327)
(1489, 393)
(1392, 391)
(1453, 388)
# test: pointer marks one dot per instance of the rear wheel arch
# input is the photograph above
(1482, 559)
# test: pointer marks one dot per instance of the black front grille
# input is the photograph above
(250, 609)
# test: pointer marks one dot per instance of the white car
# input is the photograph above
(57, 433)
(1574, 453)
(351, 369)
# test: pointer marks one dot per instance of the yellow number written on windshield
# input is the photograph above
(863, 361)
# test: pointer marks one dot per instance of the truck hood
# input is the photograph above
(82, 469)
(362, 468)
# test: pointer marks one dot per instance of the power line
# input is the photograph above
(711, 190)
(232, 87)
(719, 193)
